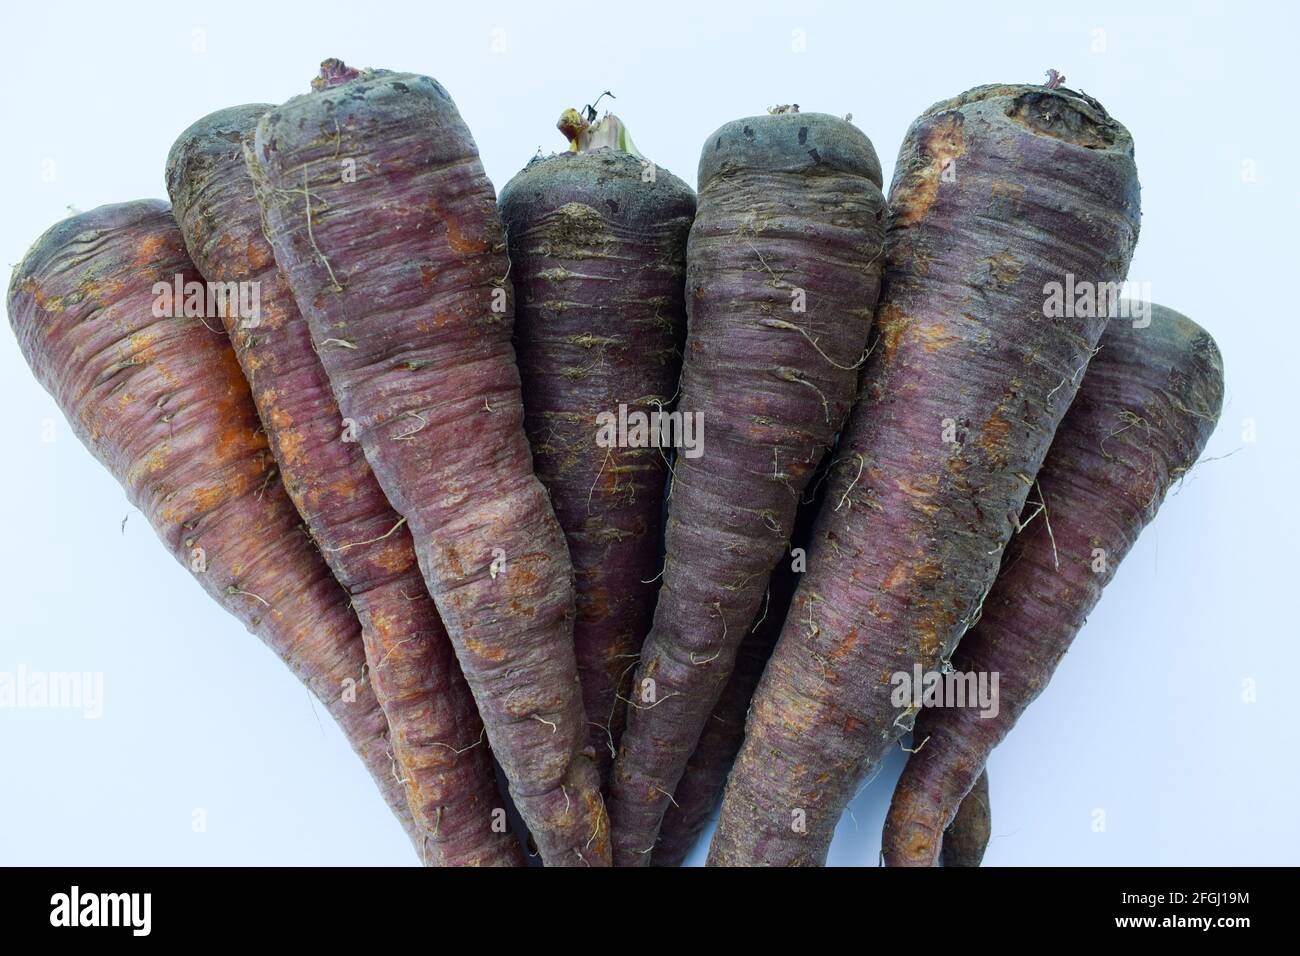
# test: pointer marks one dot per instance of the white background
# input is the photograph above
(1145, 720)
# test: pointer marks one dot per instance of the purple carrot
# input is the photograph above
(783, 270)
(437, 737)
(997, 194)
(598, 261)
(700, 789)
(967, 837)
(386, 227)
(159, 399)
(1147, 405)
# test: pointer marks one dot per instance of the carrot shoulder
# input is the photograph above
(997, 193)
(436, 735)
(783, 270)
(386, 228)
(1146, 408)
(160, 401)
(598, 262)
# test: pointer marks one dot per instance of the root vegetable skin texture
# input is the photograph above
(967, 837)
(1148, 403)
(162, 404)
(436, 735)
(598, 263)
(700, 789)
(783, 270)
(997, 193)
(401, 272)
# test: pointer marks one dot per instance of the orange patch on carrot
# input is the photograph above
(891, 322)
(259, 254)
(149, 250)
(487, 652)
(934, 336)
(462, 244)
(897, 577)
(994, 436)
(942, 145)
(394, 556)
(844, 646)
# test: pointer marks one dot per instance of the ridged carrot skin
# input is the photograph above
(436, 735)
(598, 263)
(996, 193)
(161, 402)
(700, 789)
(386, 228)
(967, 837)
(783, 270)
(1146, 408)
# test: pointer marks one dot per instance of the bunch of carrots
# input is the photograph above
(647, 494)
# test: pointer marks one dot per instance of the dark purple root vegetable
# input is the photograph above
(161, 402)
(996, 194)
(700, 789)
(436, 735)
(386, 228)
(598, 261)
(1148, 403)
(783, 270)
(967, 837)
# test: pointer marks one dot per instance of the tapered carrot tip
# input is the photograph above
(967, 837)
(918, 846)
(577, 832)
(913, 832)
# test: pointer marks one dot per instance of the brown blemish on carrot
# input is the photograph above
(918, 487)
(292, 444)
(486, 651)
(898, 576)
(843, 646)
(207, 497)
(994, 437)
(258, 255)
(934, 336)
(891, 322)
(392, 557)
(1003, 268)
(1006, 198)
(157, 459)
(148, 250)
(1071, 119)
(943, 144)
(461, 243)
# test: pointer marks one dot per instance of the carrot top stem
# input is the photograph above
(334, 72)
(585, 133)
